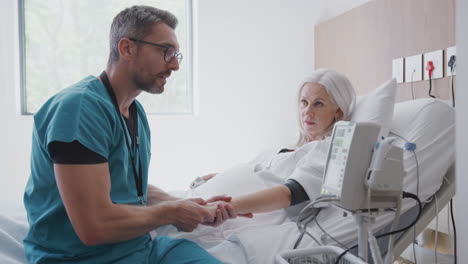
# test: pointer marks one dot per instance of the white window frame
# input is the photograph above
(188, 59)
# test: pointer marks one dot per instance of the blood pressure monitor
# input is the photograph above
(349, 157)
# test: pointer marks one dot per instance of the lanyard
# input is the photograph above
(134, 148)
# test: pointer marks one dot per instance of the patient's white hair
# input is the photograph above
(341, 93)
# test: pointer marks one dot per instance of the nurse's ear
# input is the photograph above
(127, 49)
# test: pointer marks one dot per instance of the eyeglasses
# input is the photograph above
(169, 52)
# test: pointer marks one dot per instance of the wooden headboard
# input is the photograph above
(363, 42)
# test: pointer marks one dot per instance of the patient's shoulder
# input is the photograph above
(317, 145)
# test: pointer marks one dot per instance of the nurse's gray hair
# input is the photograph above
(341, 93)
(136, 22)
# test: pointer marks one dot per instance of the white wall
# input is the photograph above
(460, 206)
(251, 55)
(15, 130)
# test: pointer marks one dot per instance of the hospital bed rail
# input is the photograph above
(429, 212)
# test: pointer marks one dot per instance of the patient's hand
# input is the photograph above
(222, 211)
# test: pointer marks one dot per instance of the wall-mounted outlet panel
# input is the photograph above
(397, 69)
(413, 68)
(437, 60)
(448, 53)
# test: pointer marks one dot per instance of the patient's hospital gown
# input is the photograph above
(305, 165)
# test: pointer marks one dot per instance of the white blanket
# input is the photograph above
(257, 240)
(12, 232)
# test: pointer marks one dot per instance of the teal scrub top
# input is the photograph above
(82, 112)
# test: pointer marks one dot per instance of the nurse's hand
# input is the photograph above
(222, 211)
(186, 215)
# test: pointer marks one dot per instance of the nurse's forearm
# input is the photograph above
(267, 200)
(122, 222)
(96, 219)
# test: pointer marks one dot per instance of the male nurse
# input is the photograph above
(87, 198)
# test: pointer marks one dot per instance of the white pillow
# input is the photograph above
(377, 107)
(430, 124)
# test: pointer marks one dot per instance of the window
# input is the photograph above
(63, 41)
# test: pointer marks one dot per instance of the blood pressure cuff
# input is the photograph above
(298, 194)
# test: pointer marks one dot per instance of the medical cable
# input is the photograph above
(417, 193)
(450, 215)
(448, 223)
(329, 235)
(451, 88)
(430, 87)
(405, 195)
(452, 64)
(303, 228)
(416, 198)
(409, 146)
(454, 233)
(311, 216)
(412, 90)
(436, 237)
(430, 68)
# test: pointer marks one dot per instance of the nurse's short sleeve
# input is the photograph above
(309, 170)
(84, 117)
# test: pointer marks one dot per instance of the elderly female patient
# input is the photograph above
(324, 98)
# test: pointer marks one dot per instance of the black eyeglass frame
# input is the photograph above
(177, 54)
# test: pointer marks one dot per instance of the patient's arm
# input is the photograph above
(85, 192)
(263, 201)
(221, 212)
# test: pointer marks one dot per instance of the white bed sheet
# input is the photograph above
(12, 231)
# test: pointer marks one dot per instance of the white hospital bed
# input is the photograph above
(428, 122)
(433, 121)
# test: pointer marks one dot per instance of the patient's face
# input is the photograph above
(317, 111)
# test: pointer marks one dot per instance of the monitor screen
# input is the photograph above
(338, 156)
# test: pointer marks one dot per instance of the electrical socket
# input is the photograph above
(448, 53)
(437, 59)
(397, 69)
(413, 63)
